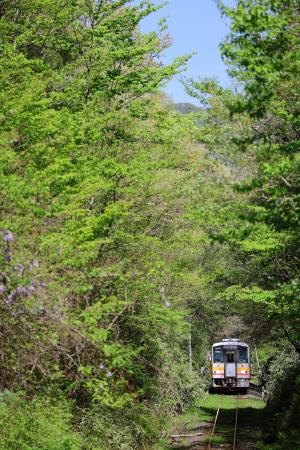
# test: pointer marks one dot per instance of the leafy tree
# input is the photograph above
(95, 248)
(262, 51)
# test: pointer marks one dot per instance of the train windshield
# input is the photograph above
(243, 354)
(218, 355)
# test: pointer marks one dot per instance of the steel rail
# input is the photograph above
(236, 422)
(214, 426)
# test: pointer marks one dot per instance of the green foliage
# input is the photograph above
(218, 129)
(34, 425)
(254, 225)
(76, 167)
(97, 182)
(262, 51)
(256, 133)
(281, 378)
(126, 227)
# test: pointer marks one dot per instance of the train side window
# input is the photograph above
(218, 355)
(243, 355)
(230, 357)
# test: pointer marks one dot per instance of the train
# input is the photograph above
(230, 366)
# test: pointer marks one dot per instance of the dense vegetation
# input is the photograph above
(262, 52)
(130, 231)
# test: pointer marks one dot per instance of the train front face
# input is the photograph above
(230, 365)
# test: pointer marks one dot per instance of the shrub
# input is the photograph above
(116, 429)
(35, 425)
(283, 405)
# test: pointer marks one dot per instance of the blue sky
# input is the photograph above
(195, 26)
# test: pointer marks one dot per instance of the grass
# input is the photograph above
(228, 402)
(204, 410)
(251, 416)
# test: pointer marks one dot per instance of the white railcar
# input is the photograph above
(230, 365)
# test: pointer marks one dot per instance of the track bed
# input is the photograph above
(221, 422)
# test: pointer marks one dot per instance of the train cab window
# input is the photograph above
(218, 355)
(243, 355)
(230, 357)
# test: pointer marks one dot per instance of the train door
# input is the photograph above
(230, 364)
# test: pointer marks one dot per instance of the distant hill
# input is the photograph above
(186, 108)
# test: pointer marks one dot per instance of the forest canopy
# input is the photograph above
(133, 231)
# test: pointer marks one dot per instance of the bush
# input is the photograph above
(116, 429)
(35, 425)
(283, 384)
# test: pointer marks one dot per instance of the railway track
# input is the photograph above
(211, 445)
